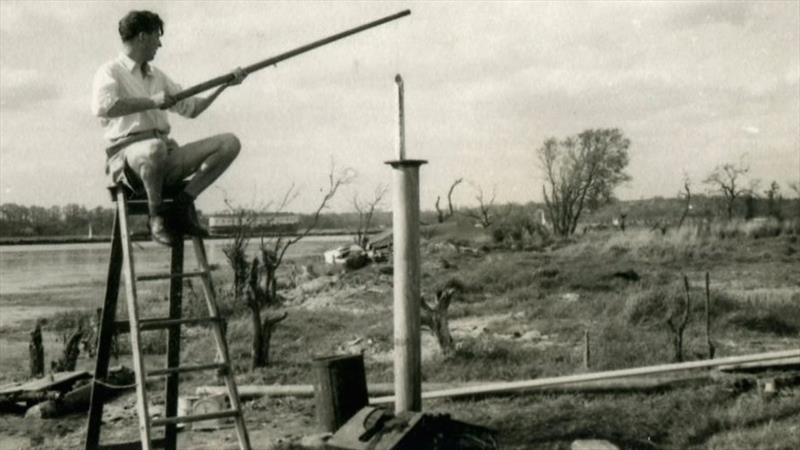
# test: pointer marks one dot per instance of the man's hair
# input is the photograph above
(136, 22)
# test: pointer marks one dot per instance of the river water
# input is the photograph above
(62, 268)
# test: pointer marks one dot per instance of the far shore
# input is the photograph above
(37, 240)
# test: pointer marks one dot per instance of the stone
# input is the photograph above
(315, 440)
(571, 297)
(592, 444)
(531, 335)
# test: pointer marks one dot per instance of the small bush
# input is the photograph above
(770, 322)
(652, 306)
(617, 346)
(762, 228)
(519, 229)
(68, 320)
(504, 275)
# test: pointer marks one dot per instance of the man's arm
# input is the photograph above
(202, 103)
(107, 103)
(125, 106)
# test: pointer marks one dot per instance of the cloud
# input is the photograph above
(699, 14)
(23, 88)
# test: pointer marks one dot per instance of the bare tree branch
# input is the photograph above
(450, 195)
(483, 214)
(687, 196)
(726, 180)
(365, 211)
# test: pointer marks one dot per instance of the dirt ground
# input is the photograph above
(522, 316)
(271, 424)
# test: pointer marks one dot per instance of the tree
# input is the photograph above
(687, 196)
(795, 186)
(442, 215)
(483, 213)
(726, 180)
(434, 313)
(273, 249)
(365, 211)
(774, 200)
(581, 172)
(256, 283)
(677, 320)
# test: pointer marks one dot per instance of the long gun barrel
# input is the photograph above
(227, 78)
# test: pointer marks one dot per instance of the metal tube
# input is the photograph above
(405, 229)
(407, 352)
(401, 121)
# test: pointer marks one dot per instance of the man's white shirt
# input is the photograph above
(123, 78)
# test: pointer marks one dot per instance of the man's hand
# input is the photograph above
(163, 100)
(238, 76)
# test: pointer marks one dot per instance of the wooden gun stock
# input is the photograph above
(227, 78)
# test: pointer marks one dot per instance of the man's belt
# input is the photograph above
(120, 143)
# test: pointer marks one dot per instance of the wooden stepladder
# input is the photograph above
(122, 263)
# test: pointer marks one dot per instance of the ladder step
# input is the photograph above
(200, 417)
(186, 369)
(158, 324)
(133, 445)
(123, 326)
(167, 276)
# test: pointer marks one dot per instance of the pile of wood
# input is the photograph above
(58, 393)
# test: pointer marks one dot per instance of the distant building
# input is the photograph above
(220, 224)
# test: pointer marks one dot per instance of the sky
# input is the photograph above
(692, 84)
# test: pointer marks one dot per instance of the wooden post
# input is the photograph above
(709, 344)
(586, 353)
(173, 343)
(105, 338)
(36, 351)
(405, 228)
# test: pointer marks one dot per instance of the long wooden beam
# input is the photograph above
(518, 386)
(227, 78)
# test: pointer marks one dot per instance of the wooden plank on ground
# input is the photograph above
(53, 382)
(759, 366)
(248, 391)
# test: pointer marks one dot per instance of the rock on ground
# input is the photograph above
(592, 444)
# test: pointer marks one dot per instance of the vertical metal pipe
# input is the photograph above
(405, 229)
(401, 120)
(407, 362)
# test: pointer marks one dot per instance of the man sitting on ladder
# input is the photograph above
(131, 98)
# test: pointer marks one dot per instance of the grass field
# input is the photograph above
(620, 287)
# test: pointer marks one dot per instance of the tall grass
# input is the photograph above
(701, 241)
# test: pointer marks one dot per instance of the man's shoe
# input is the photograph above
(158, 232)
(184, 220)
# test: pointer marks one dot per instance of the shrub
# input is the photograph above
(769, 322)
(68, 320)
(653, 305)
(502, 276)
(519, 228)
(616, 346)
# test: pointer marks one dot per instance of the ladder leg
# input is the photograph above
(174, 344)
(98, 396)
(133, 319)
(222, 346)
